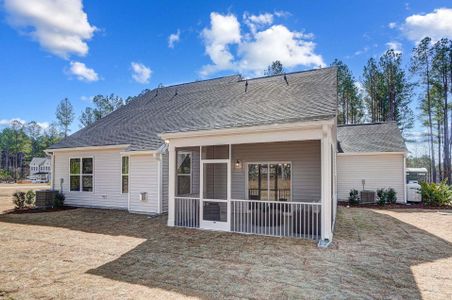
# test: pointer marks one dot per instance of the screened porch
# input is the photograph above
(258, 188)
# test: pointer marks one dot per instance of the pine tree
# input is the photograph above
(397, 90)
(276, 68)
(440, 74)
(350, 104)
(65, 115)
(103, 105)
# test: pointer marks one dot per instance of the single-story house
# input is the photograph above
(260, 156)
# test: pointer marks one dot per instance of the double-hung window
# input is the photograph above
(184, 160)
(81, 174)
(125, 174)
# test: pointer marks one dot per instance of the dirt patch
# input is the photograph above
(88, 253)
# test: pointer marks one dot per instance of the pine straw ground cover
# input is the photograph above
(103, 254)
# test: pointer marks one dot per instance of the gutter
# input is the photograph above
(370, 153)
(88, 148)
(242, 130)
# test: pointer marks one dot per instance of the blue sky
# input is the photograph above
(53, 49)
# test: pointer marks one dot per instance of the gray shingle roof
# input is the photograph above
(38, 160)
(377, 137)
(213, 104)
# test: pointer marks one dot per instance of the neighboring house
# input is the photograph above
(252, 156)
(40, 168)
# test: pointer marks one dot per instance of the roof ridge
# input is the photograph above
(199, 81)
(289, 73)
(241, 78)
(365, 124)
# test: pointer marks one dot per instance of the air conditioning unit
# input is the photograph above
(367, 197)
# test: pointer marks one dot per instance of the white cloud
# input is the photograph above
(437, 24)
(361, 51)
(257, 21)
(173, 39)
(396, 46)
(82, 72)
(44, 125)
(140, 73)
(86, 98)
(392, 25)
(8, 122)
(282, 14)
(224, 30)
(59, 26)
(256, 49)
(278, 43)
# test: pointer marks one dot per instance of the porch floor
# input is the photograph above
(85, 253)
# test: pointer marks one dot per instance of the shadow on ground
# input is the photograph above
(372, 257)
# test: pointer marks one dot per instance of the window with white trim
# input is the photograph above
(183, 172)
(270, 181)
(125, 174)
(81, 172)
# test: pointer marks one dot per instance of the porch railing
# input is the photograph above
(186, 212)
(275, 194)
(276, 218)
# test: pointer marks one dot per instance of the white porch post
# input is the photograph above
(171, 183)
(326, 185)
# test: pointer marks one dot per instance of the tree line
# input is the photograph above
(20, 142)
(382, 94)
(387, 87)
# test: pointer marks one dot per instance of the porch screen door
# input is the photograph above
(214, 194)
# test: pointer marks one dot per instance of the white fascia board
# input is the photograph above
(155, 153)
(140, 152)
(244, 130)
(89, 148)
(370, 153)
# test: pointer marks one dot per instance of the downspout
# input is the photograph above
(404, 179)
(53, 171)
(129, 190)
(159, 183)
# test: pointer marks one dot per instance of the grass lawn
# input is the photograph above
(88, 253)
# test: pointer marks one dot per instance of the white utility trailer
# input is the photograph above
(413, 177)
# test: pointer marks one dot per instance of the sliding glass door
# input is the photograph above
(269, 181)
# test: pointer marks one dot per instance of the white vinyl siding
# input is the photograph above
(378, 171)
(143, 178)
(107, 180)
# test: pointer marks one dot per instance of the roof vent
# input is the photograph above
(246, 85)
(285, 79)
